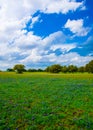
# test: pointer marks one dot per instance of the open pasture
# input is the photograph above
(41, 101)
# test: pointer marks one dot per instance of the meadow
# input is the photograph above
(44, 101)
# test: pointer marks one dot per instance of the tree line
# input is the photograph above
(71, 68)
(56, 68)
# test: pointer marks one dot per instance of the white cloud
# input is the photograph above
(50, 58)
(63, 6)
(55, 38)
(11, 29)
(34, 56)
(15, 14)
(34, 20)
(35, 47)
(53, 6)
(39, 52)
(68, 59)
(74, 58)
(19, 9)
(63, 47)
(6, 50)
(76, 27)
(19, 46)
(27, 41)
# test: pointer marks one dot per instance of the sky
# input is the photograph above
(39, 33)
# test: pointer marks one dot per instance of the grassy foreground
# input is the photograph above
(41, 101)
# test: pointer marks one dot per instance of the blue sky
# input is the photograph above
(40, 33)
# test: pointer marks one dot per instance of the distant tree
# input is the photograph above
(89, 67)
(40, 70)
(24, 70)
(64, 69)
(32, 70)
(29, 70)
(81, 69)
(10, 70)
(56, 68)
(72, 68)
(19, 68)
(47, 69)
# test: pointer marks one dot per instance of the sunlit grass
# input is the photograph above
(45, 101)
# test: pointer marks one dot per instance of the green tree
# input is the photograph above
(40, 70)
(10, 70)
(81, 69)
(89, 67)
(56, 68)
(72, 68)
(47, 69)
(19, 68)
(64, 69)
(32, 70)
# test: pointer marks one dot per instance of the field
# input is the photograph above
(41, 101)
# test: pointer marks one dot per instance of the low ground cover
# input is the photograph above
(41, 101)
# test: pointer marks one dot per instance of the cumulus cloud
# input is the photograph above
(76, 27)
(63, 47)
(40, 52)
(30, 49)
(19, 9)
(17, 45)
(36, 46)
(14, 15)
(53, 6)
(68, 59)
(55, 38)
(74, 59)
(27, 41)
(63, 6)
(34, 56)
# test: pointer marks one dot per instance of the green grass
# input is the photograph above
(41, 101)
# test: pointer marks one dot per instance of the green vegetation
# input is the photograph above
(43, 101)
(71, 68)
(19, 68)
(89, 67)
(56, 68)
